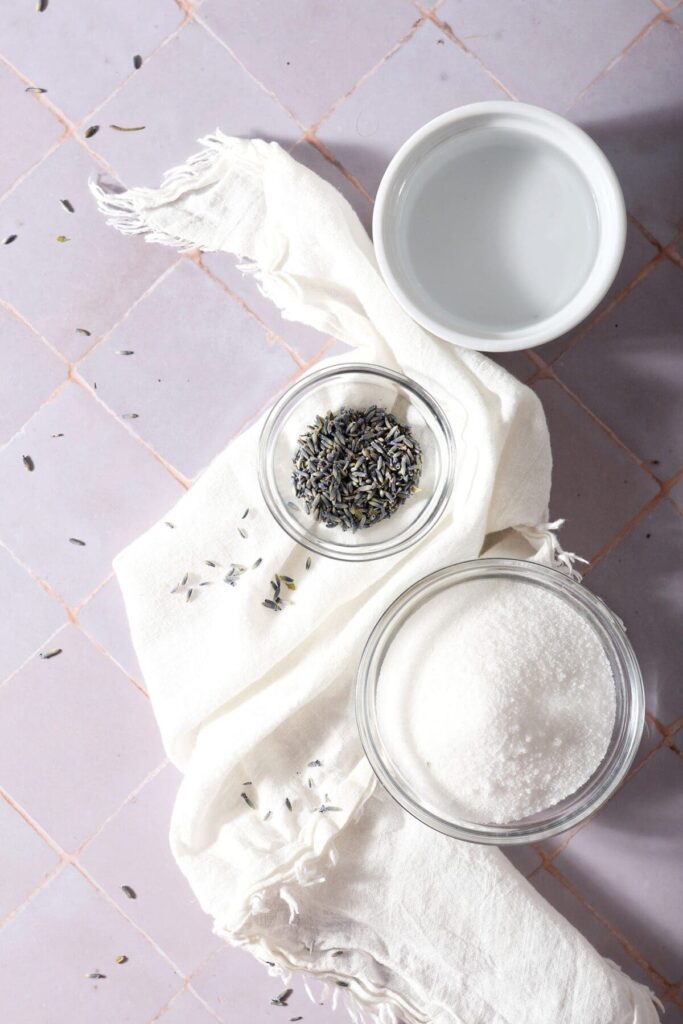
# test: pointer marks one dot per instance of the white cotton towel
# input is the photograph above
(432, 930)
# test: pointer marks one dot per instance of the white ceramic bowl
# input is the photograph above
(499, 226)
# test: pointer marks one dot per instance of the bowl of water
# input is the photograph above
(499, 226)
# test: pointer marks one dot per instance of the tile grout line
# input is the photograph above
(242, 303)
(67, 859)
(632, 950)
(124, 316)
(592, 321)
(105, 652)
(324, 118)
(47, 587)
(649, 507)
(548, 373)
(447, 30)
(639, 36)
(176, 474)
(13, 311)
(276, 99)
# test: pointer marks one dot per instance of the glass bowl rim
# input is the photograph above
(368, 551)
(630, 683)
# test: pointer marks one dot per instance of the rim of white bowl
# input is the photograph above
(576, 144)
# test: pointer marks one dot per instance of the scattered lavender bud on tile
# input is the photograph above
(123, 128)
(35, 88)
(75, 540)
(92, 130)
(129, 892)
(63, 238)
(28, 462)
(122, 959)
(125, 352)
(281, 1000)
(171, 526)
(130, 416)
(46, 655)
(40, 7)
(137, 61)
(58, 435)
(343, 984)
(67, 205)
(84, 331)
(95, 975)
(9, 239)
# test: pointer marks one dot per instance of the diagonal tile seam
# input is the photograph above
(587, 326)
(66, 859)
(186, 987)
(627, 945)
(639, 36)
(642, 514)
(269, 92)
(322, 120)
(175, 473)
(196, 257)
(131, 74)
(14, 312)
(665, 485)
(107, 654)
(328, 155)
(547, 856)
(448, 31)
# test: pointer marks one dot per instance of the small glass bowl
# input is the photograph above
(628, 683)
(357, 385)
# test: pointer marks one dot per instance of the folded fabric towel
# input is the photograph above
(404, 923)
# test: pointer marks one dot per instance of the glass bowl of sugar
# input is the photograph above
(356, 461)
(499, 701)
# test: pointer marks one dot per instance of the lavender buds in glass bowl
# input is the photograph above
(355, 467)
(401, 488)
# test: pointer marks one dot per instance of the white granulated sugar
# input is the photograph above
(495, 701)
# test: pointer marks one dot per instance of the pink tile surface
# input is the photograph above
(216, 93)
(607, 488)
(37, 617)
(31, 372)
(66, 932)
(40, 130)
(87, 282)
(543, 51)
(636, 352)
(366, 130)
(97, 43)
(177, 378)
(94, 731)
(26, 860)
(635, 115)
(80, 755)
(104, 619)
(133, 849)
(187, 1009)
(101, 486)
(302, 341)
(309, 71)
(642, 580)
(644, 822)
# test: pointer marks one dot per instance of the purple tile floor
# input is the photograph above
(85, 791)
